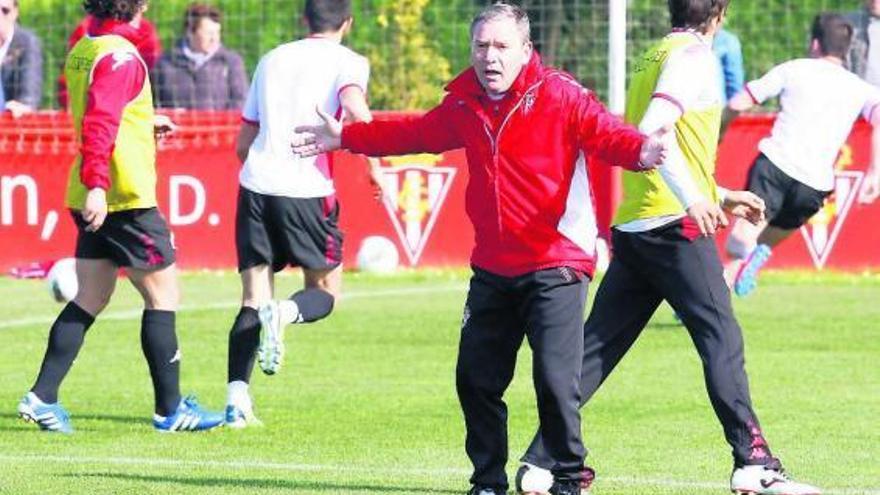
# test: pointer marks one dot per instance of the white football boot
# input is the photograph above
(533, 480)
(270, 354)
(767, 480)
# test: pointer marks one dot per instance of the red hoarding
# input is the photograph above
(423, 213)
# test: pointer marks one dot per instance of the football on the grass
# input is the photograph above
(62, 280)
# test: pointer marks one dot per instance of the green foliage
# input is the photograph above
(771, 31)
(415, 46)
(250, 27)
(408, 72)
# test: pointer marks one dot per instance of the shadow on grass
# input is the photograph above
(139, 420)
(285, 484)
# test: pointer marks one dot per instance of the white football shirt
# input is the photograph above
(289, 83)
(820, 101)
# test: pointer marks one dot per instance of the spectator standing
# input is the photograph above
(864, 52)
(21, 63)
(199, 72)
(145, 39)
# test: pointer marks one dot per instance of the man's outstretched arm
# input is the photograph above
(430, 133)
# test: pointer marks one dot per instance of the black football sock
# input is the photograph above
(313, 304)
(159, 343)
(65, 340)
(244, 338)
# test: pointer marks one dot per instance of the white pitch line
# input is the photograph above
(383, 470)
(135, 314)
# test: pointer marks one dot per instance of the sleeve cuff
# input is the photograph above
(670, 99)
(96, 183)
(751, 95)
(344, 138)
(722, 193)
(350, 85)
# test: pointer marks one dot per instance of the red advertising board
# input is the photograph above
(198, 183)
(423, 215)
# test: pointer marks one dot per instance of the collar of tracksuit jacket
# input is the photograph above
(468, 88)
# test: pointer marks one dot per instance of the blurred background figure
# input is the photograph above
(727, 48)
(199, 72)
(864, 53)
(146, 41)
(21, 64)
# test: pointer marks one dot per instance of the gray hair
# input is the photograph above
(500, 10)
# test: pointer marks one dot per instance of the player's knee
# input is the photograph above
(333, 299)
(92, 299)
(738, 247)
(92, 303)
(466, 381)
(472, 379)
(314, 304)
(164, 299)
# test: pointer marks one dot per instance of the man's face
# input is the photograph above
(498, 54)
(873, 7)
(206, 37)
(8, 15)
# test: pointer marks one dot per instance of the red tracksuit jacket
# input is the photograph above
(529, 196)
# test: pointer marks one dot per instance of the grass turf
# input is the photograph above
(366, 403)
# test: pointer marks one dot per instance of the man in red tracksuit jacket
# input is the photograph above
(527, 131)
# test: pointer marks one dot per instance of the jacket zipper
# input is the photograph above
(493, 142)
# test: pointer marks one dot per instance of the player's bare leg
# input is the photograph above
(740, 243)
(257, 286)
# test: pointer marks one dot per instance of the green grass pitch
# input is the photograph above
(366, 402)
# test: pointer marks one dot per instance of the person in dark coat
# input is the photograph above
(199, 72)
(21, 64)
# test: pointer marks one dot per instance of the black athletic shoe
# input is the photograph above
(485, 490)
(534, 480)
(581, 487)
(565, 488)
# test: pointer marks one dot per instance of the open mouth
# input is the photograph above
(491, 73)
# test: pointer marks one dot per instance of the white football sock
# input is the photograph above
(238, 395)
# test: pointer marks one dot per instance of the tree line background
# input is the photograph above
(415, 46)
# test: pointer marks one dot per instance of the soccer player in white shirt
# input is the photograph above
(794, 173)
(287, 210)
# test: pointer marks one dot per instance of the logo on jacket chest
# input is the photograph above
(528, 102)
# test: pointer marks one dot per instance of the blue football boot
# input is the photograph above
(49, 417)
(747, 278)
(189, 416)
